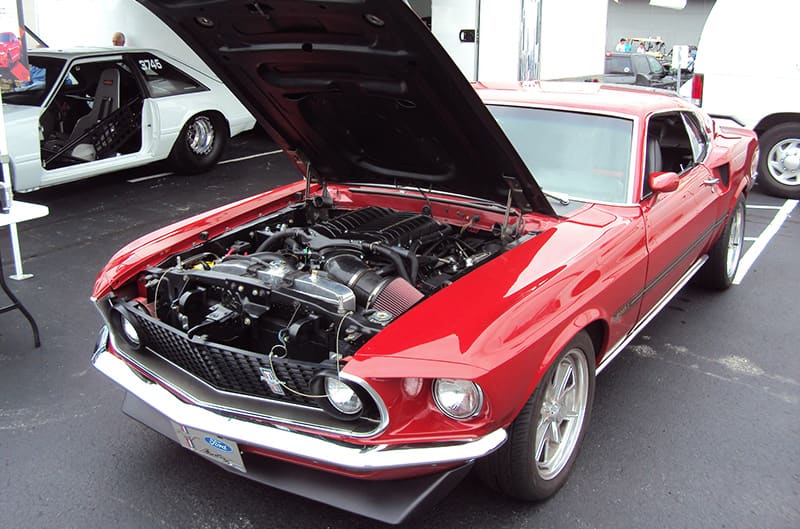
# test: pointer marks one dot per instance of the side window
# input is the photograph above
(640, 63)
(670, 147)
(671, 138)
(655, 66)
(697, 136)
(163, 79)
(94, 114)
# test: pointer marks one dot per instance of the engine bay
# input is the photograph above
(311, 284)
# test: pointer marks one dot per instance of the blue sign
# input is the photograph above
(219, 445)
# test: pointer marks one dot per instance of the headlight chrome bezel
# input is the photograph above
(471, 390)
(334, 385)
(323, 386)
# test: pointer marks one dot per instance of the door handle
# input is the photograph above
(711, 181)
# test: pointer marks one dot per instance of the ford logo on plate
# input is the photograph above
(219, 445)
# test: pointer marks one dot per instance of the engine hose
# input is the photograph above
(394, 257)
(275, 239)
(412, 258)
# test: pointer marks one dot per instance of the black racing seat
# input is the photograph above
(106, 101)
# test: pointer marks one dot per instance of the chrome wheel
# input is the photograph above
(200, 135)
(735, 240)
(783, 161)
(561, 416)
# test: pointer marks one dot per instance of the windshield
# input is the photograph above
(44, 73)
(585, 156)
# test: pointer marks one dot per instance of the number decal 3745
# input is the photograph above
(150, 64)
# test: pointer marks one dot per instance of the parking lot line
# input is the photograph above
(223, 162)
(761, 206)
(762, 240)
(149, 177)
(250, 157)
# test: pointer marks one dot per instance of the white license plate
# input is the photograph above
(214, 447)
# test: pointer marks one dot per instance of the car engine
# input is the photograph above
(310, 290)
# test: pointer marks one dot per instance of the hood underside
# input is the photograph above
(358, 89)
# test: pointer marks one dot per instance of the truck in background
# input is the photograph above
(748, 69)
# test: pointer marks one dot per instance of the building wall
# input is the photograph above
(637, 18)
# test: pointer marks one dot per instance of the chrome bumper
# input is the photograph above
(317, 450)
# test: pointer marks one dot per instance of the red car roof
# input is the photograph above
(603, 98)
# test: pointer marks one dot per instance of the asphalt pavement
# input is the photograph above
(694, 425)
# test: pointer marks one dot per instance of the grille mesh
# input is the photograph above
(226, 368)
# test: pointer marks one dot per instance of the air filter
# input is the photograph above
(397, 297)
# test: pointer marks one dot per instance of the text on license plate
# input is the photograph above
(209, 445)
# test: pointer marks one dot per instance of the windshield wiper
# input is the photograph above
(561, 198)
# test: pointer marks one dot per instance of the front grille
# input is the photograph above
(227, 368)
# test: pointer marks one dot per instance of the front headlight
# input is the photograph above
(130, 332)
(342, 397)
(123, 324)
(458, 399)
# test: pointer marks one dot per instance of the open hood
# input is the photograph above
(360, 90)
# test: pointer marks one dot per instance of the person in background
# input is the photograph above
(118, 39)
(640, 49)
(621, 45)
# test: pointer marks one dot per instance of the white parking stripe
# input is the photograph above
(761, 242)
(242, 158)
(760, 206)
(259, 155)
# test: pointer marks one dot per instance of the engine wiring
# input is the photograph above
(282, 346)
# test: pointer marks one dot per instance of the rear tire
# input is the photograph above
(779, 162)
(544, 439)
(200, 143)
(723, 259)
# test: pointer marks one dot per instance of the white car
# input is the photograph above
(91, 111)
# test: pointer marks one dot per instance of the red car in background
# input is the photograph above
(441, 289)
(10, 49)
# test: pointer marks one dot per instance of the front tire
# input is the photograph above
(723, 259)
(779, 163)
(544, 439)
(200, 143)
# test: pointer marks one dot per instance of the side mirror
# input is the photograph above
(642, 80)
(664, 182)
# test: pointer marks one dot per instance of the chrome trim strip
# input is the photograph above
(320, 451)
(658, 307)
(207, 404)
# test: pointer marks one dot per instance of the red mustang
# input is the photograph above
(10, 49)
(420, 303)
